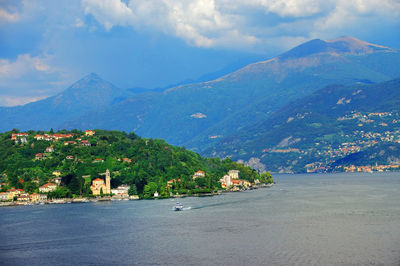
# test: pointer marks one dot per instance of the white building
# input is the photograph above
(49, 187)
(3, 195)
(121, 191)
(234, 174)
(227, 180)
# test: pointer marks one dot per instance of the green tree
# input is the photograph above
(149, 190)
(132, 190)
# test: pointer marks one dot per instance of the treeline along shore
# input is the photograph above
(78, 166)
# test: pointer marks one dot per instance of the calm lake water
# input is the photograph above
(332, 219)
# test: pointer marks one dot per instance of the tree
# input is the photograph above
(132, 190)
(266, 178)
(75, 185)
(30, 187)
(149, 190)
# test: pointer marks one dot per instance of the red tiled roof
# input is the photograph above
(49, 184)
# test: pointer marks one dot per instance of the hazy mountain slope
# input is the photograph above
(191, 114)
(198, 115)
(318, 124)
(89, 93)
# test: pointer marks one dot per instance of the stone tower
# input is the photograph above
(108, 187)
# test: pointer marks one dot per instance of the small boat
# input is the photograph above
(178, 207)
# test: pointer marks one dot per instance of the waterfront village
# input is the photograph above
(369, 129)
(100, 188)
(102, 191)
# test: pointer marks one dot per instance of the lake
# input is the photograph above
(319, 219)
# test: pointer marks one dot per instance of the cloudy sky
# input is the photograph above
(46, 45)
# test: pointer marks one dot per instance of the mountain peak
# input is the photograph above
(88, 81)
(91, 77)
(356, 46)
(341, 45)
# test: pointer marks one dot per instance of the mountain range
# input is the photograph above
(323, 129)
(203, 115)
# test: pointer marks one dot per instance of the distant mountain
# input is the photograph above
(248, 95)
(199, 115)
(88, 94)
(322, 131)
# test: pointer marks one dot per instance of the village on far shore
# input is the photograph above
(102, 191)
(100, 187)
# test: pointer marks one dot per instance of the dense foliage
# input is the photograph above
(145, 164)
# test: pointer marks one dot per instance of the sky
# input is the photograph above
(47, 45)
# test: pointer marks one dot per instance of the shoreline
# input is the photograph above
(130, 198)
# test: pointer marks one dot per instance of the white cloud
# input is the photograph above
(28, 78)
(79, 23)
(227, 23)
(109, 12)
(24, 64)
(199, 22)
(18, 100)
(8, 17)
(284, 8)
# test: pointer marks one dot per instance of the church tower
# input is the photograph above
(108, 187)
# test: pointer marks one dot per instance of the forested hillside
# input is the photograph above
(29, 160)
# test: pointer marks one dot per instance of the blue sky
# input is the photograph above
(46, 45)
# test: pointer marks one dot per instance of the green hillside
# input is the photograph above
(28, 161)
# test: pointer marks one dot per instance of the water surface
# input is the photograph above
(335, 219)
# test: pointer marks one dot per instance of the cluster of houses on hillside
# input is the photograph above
(19, 137)
(21, 196)
(230, 181)
(48, 137)
(371, 168)
(53, 137)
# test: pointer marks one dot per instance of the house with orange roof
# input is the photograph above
(49, 187)
(23, 197)
(85, 143)
(172, 181)
(40, 156)
(89, 132)
(126, 160)
(14, 192)
(34, 197)
(4, 196)
(199, 174)
(39, 137)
